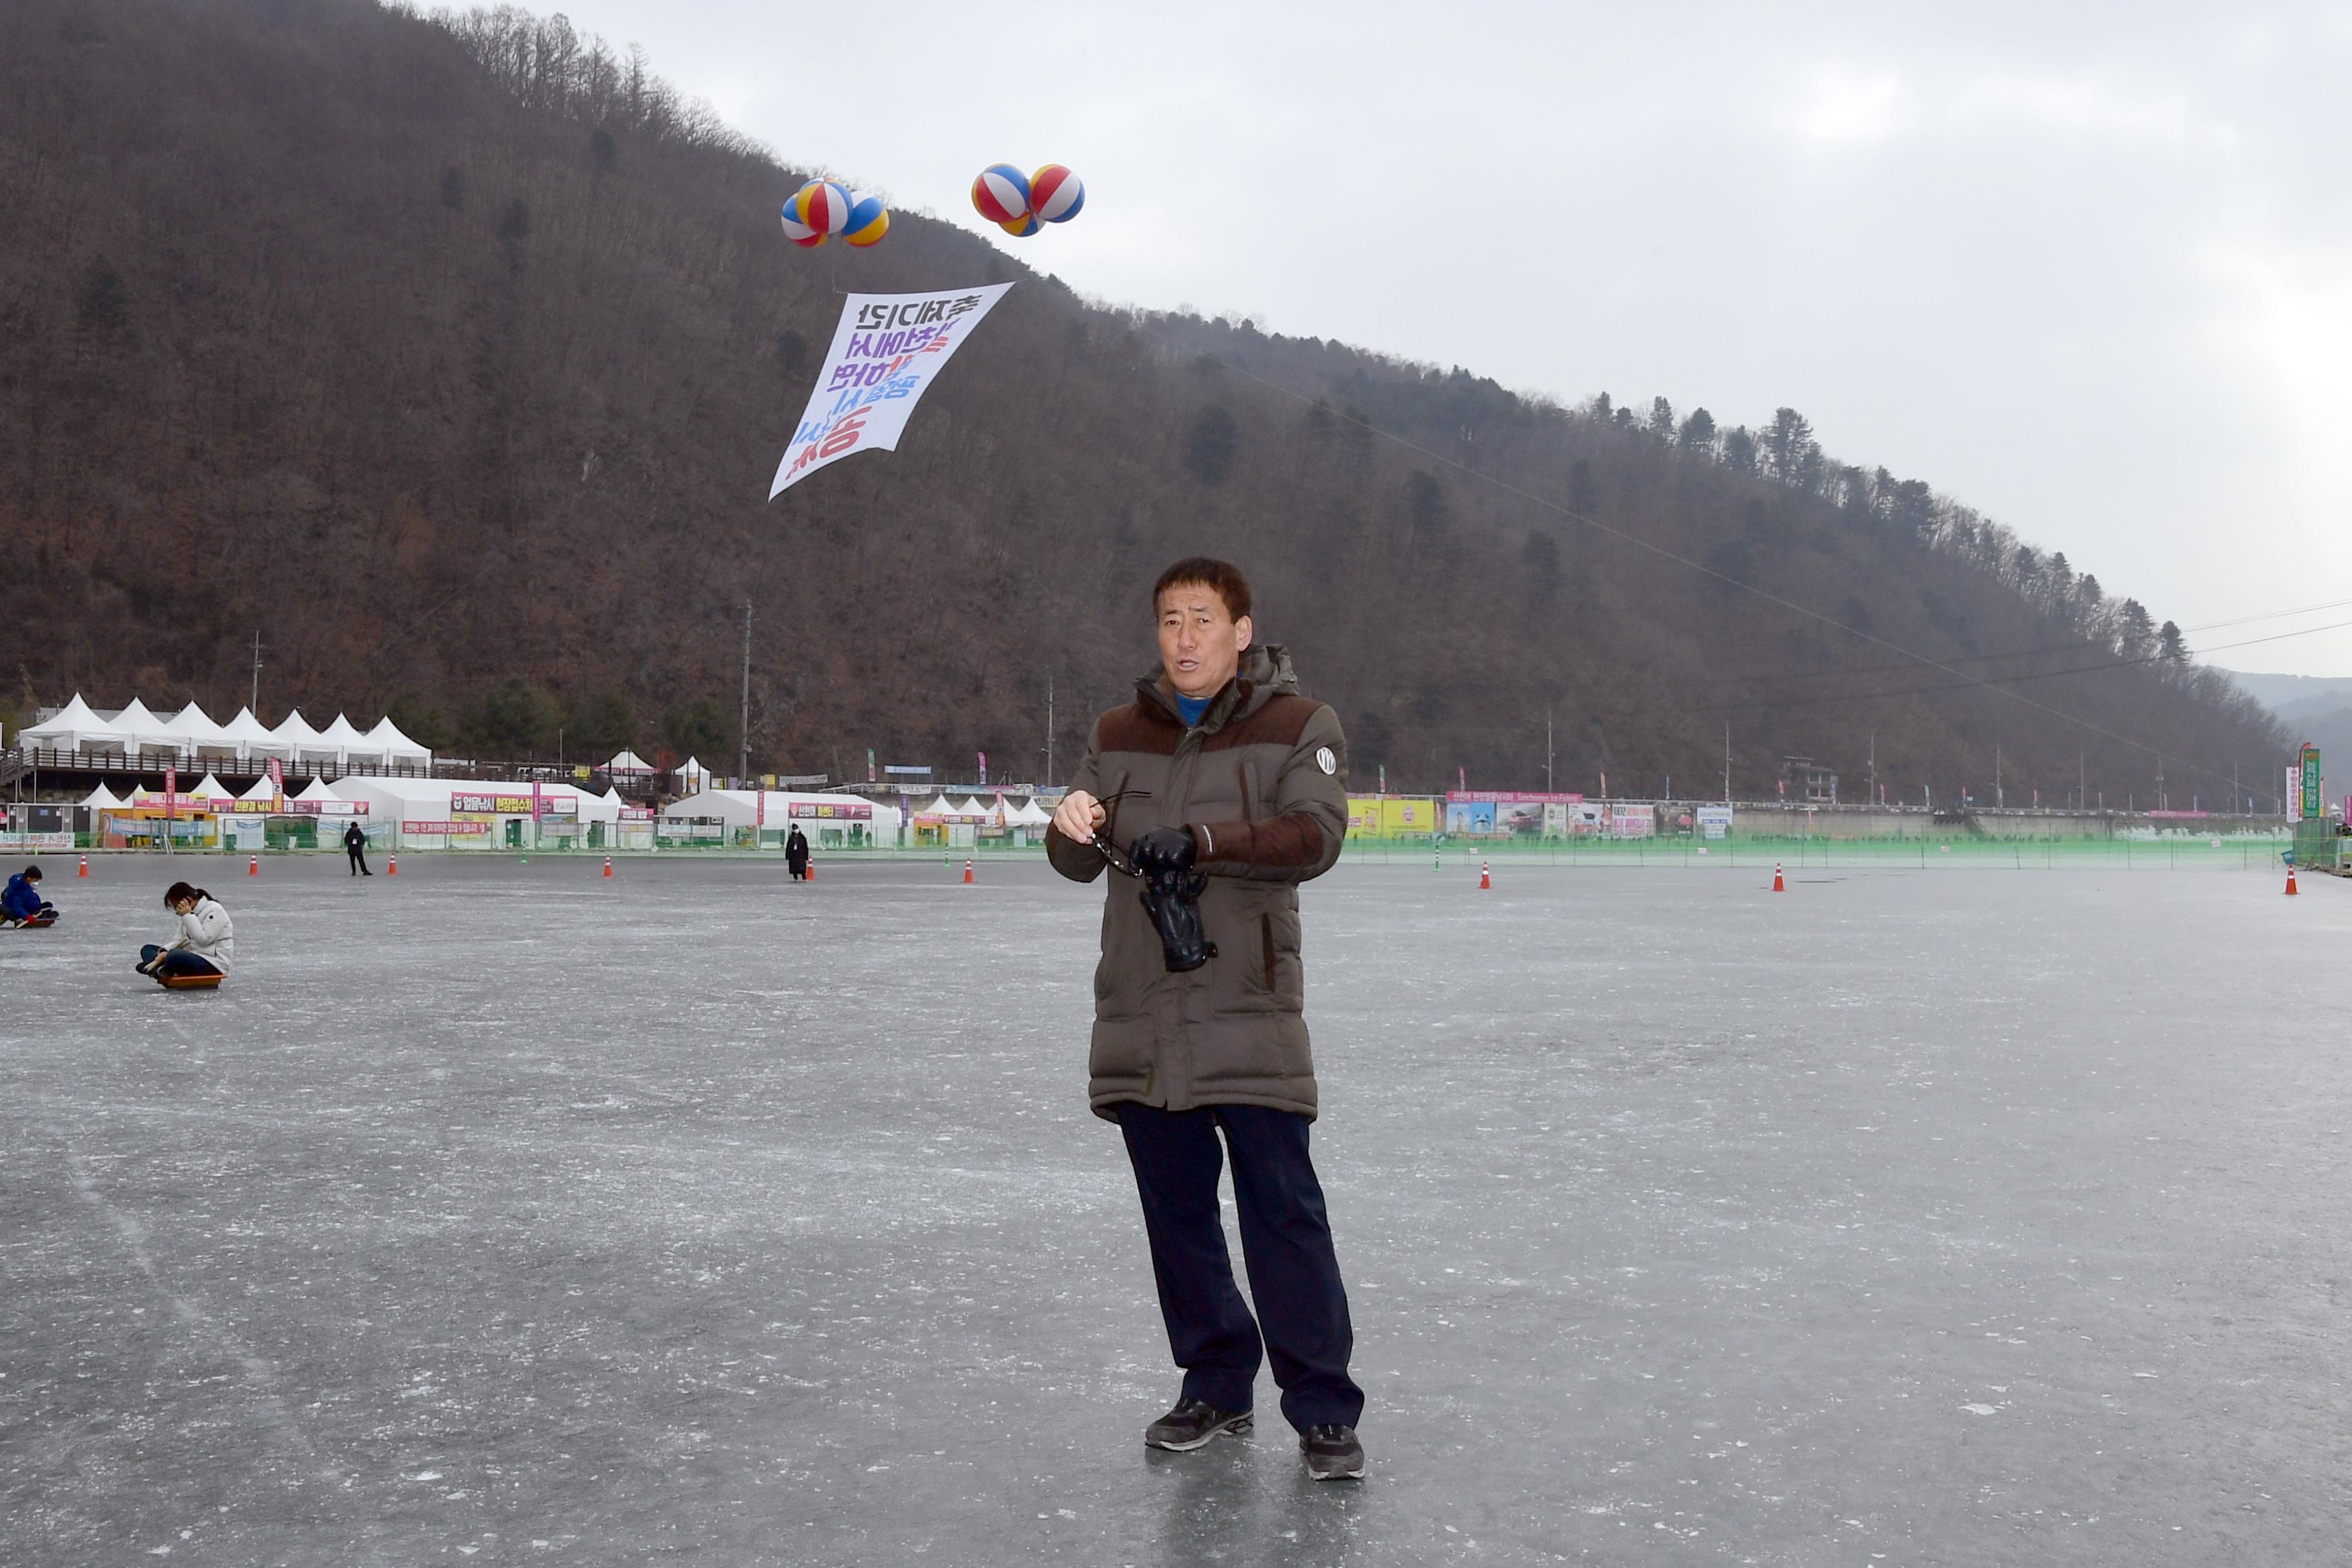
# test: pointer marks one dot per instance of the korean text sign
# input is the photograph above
(885, 353)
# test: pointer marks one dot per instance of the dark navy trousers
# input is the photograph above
(1294, 1275)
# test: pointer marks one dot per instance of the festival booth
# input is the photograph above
(252, 738)
(90, 812)
(1028, 825)
(632, 826)
(303, 743)
(203, 741)
(75, 728)
(766, 817)
(144, 734)
(461, 814)
(350, 745)
(693, 778)
(628, 765)
(396, 748)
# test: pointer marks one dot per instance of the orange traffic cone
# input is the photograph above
(84, 867)
(1780, 883)
(393, 869)
(967, 873)
(608, 865)
(808, 873)
(2290, 880)
(253, 866)
(1484, 879)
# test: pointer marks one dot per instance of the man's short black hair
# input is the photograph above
(1222, 576)
(32, 873)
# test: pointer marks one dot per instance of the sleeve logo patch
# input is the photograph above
(1326, 761)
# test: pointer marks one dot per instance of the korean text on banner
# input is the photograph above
(884, 353)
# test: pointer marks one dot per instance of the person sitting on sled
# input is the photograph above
(22, 903)
(208, 939)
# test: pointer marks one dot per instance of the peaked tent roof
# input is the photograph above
(318, 790)
(195, 728)
(75, 725)
(261, 790)
(296, 730)
(210, 788)
(628, 762)
(251, 734)
(103, 799)
(138, 725)
(386, 736)
(1029, 816)
(344, 736)
(972, 807)
(938, 807)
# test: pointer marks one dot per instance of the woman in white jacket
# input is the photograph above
(208, 939)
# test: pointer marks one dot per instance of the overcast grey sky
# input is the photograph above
(2088, 270)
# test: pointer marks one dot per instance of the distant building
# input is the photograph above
(1803, 779)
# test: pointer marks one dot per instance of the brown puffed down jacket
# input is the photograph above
(1262, 784)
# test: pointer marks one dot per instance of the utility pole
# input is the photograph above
(743, 724)
(1547, 751)
(1727, 762)
(254, 707)
(1049, 730)
(1996, 775)
(2082, 781)
(1874, 767)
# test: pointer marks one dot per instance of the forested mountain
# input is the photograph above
(455, 356)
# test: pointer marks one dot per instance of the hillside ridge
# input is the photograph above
(454, 355)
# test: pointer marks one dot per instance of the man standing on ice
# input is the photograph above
(1219, 778)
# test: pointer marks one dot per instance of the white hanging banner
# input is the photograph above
(885, 353)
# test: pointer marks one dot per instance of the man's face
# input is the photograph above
(1200, 644)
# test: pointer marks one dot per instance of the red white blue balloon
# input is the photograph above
(1022, 227)
(822, 205)
(1001, 194)
(796, 231)
(1055, 195)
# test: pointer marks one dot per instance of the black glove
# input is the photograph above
(1171, 896)
(1163, 850)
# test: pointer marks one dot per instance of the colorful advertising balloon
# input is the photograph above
(869, 220)
(1055, 195)
(1000, 193)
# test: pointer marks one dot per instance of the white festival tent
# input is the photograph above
(318, 790)
(395, 747)
(261, 791)
(209, 789)
(349, 743)
(938, 807)
(694, 778)
(198, 732)
(425, 810)
(139, 727)
(252, 738)
(628, 762)
(973, 808)
(103, 799)
(74, 729)
(296, 734)
(1029, 816)
(783, 808)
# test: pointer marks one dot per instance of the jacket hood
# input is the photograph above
(1265, 673)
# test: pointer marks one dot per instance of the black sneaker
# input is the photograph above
(1191, 1423)
(1332, 1453)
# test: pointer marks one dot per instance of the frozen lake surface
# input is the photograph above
(501, 1213)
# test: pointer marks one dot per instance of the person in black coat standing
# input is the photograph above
(796, 854)
(355, 846)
